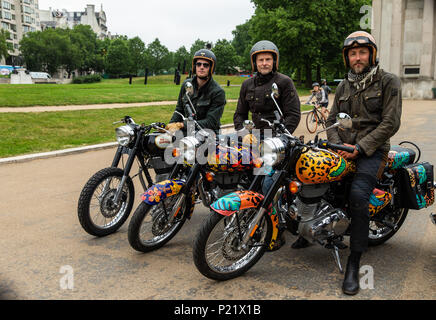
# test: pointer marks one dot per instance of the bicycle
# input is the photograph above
(316, 117)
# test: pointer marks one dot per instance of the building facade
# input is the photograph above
(65, 19)
(18, 17)
(405, 31)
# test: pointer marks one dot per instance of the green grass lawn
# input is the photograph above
(24, 133)
(158, 88)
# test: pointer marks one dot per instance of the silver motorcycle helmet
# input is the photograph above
(261, 47)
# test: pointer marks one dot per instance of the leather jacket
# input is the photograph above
(255, 97)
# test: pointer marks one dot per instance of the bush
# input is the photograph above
(87, 79)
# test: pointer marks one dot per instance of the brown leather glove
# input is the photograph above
(175, 126)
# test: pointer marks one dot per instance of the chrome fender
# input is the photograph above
(162, 190)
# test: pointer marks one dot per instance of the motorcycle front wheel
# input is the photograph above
(217, 251)
(380, 233)
(150, 229)
(98, 214)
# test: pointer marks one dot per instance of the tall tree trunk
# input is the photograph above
(308, 74)
(318, 73)
(299, 76)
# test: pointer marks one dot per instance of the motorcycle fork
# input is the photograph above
(254, 224)
(186, 189)
(130, 159)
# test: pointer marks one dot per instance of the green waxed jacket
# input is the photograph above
(375, 111)
(209, 102)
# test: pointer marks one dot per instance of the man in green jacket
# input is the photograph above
(372, 97)
(208, 98)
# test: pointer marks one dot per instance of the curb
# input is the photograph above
(66, 152)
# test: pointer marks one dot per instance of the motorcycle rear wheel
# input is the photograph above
(216, 253)
(98, 214)
(149, 229)
(380, 233)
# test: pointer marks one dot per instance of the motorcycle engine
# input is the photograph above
(319, 221)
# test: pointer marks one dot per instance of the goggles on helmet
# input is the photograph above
(360, 40)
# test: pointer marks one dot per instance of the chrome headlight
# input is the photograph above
(125, 135)
(188, 147)
(272, 151)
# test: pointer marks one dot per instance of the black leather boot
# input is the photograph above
(351, 279)
(300, 243)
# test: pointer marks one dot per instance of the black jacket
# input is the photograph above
(255, 96)
(209, 102)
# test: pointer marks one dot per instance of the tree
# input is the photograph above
(309, 33)
(242, 42)
(118, 60)
(226, 56)
(4, 45)
(137, 54)
(181, 56)
(157, 57)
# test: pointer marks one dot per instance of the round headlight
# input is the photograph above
(125, 135)
(272, 151)
(188, 146)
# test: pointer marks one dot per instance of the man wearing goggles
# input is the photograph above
(208, 98)
(372, 97)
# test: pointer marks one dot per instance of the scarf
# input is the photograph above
(361, 79)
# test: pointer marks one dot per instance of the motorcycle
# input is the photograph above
(308, 198)
(107, 198)
(168, 204)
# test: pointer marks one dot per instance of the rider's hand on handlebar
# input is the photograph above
(174, 126)
(348, 155)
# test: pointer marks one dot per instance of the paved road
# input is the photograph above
(41, 235)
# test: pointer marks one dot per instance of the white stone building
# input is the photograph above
(18, 17)
(65, 19)
(405, 31)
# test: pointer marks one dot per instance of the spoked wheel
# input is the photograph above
(98, 213)
(380, 233)
(312, 121)
(218, 253)
(150, 229)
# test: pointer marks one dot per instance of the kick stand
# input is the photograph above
(335, 252)
(334, 246)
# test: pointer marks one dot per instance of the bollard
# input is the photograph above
(228, 83)
(130, 79)
(146, 75)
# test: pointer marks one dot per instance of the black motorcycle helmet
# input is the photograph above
(264, 46)
(206, 55)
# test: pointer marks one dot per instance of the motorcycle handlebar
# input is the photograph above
(335, 146)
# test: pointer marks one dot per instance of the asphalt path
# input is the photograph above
(45, 254)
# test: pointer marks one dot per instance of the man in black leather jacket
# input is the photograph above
(255, 94)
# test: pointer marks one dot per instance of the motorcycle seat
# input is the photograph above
(399, 157)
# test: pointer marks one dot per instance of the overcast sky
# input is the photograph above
(174, 22)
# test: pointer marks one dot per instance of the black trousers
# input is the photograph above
(364, 182)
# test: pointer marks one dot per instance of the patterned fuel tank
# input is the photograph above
(231, 159)
(315, 167)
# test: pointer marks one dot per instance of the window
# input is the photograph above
(6, 5)
(7, 15)
(27, 9)
(5, 26)
(27, 19)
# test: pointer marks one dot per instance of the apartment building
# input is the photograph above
(65, 19)
(18, 17)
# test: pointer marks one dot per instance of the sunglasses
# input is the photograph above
(359, 40)
(204, 64)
